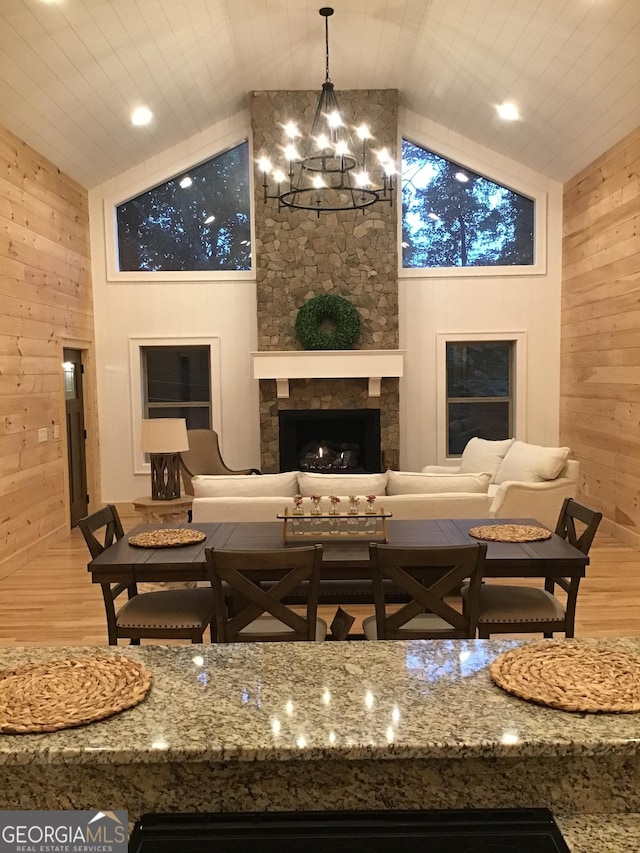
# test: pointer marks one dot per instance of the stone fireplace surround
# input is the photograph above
(299, 255)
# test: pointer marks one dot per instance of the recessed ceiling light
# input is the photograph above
(141, 115)
(508, 111)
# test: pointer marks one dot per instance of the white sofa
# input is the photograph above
(435, 492)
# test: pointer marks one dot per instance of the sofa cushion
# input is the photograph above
(246, 486)
(417, 483)
(532, 463)
(483, 455)
(341, 484)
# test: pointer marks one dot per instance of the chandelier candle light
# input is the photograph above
(331, 174)
(163, 439)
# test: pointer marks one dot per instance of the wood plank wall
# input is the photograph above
(600, 336)
(46, 299)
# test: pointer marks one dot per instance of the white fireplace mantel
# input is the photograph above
(328, 364)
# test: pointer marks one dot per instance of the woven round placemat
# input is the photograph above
(167, 537)
(571, 676)
(510, 532)
(69, 692)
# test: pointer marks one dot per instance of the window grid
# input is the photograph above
(489, 416)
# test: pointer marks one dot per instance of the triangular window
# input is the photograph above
(454, 217)
(197, 221)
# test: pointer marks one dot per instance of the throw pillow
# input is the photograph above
(246, 486)
(483, 455)
(341, 484)
(415, 483)
(532, 463)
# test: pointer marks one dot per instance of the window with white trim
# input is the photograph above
(174, 377)
(453, 216)
(481, 389)
(197, 221)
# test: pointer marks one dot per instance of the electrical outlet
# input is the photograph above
(56, 431)
(42, 434)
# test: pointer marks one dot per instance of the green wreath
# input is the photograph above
(328, 321)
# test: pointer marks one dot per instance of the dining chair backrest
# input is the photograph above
(427, 575)
(248, 589)
(571, 512)
(581, 536)
(106, 522)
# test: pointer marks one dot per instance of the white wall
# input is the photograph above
(470, 304)
(201, 309)
(527, 304)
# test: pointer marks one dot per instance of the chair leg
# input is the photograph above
(134, 641)
(483, 632)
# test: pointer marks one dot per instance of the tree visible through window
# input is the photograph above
(479, 392)
(453, 217)
(198, 220)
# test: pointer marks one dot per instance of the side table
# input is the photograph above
(164, 512)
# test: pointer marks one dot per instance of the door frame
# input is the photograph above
(90, 410)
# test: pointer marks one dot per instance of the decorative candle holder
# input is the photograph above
(352, 521)
(298, 509)
(316, 510)
(370, 523)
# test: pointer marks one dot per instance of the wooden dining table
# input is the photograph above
(343, 559)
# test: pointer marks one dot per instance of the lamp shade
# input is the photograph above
(164, 435)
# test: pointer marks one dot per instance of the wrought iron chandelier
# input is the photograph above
(332, 173)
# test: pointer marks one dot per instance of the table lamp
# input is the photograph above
(163, 439)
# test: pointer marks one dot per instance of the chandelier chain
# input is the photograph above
(327, 79)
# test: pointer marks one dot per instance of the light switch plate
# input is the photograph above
(56, 431)
(42, 434)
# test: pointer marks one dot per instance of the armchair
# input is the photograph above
(204, 457)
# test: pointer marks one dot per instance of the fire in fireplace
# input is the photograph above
(332, 441)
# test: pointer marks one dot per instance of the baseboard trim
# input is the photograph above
(623, 534)
(15, 561)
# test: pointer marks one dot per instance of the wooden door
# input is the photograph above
(76, 435)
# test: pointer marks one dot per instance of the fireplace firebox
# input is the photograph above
(332, 441)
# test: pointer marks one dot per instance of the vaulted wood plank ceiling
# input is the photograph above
(71, 71)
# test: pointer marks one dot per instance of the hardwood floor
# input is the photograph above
(51, 601)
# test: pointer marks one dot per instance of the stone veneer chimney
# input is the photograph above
(300, 255)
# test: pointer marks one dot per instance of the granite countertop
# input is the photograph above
(304, 701)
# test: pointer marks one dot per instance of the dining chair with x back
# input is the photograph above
(511, 609)
(249, 588)
(430, 578)
(159, 615)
